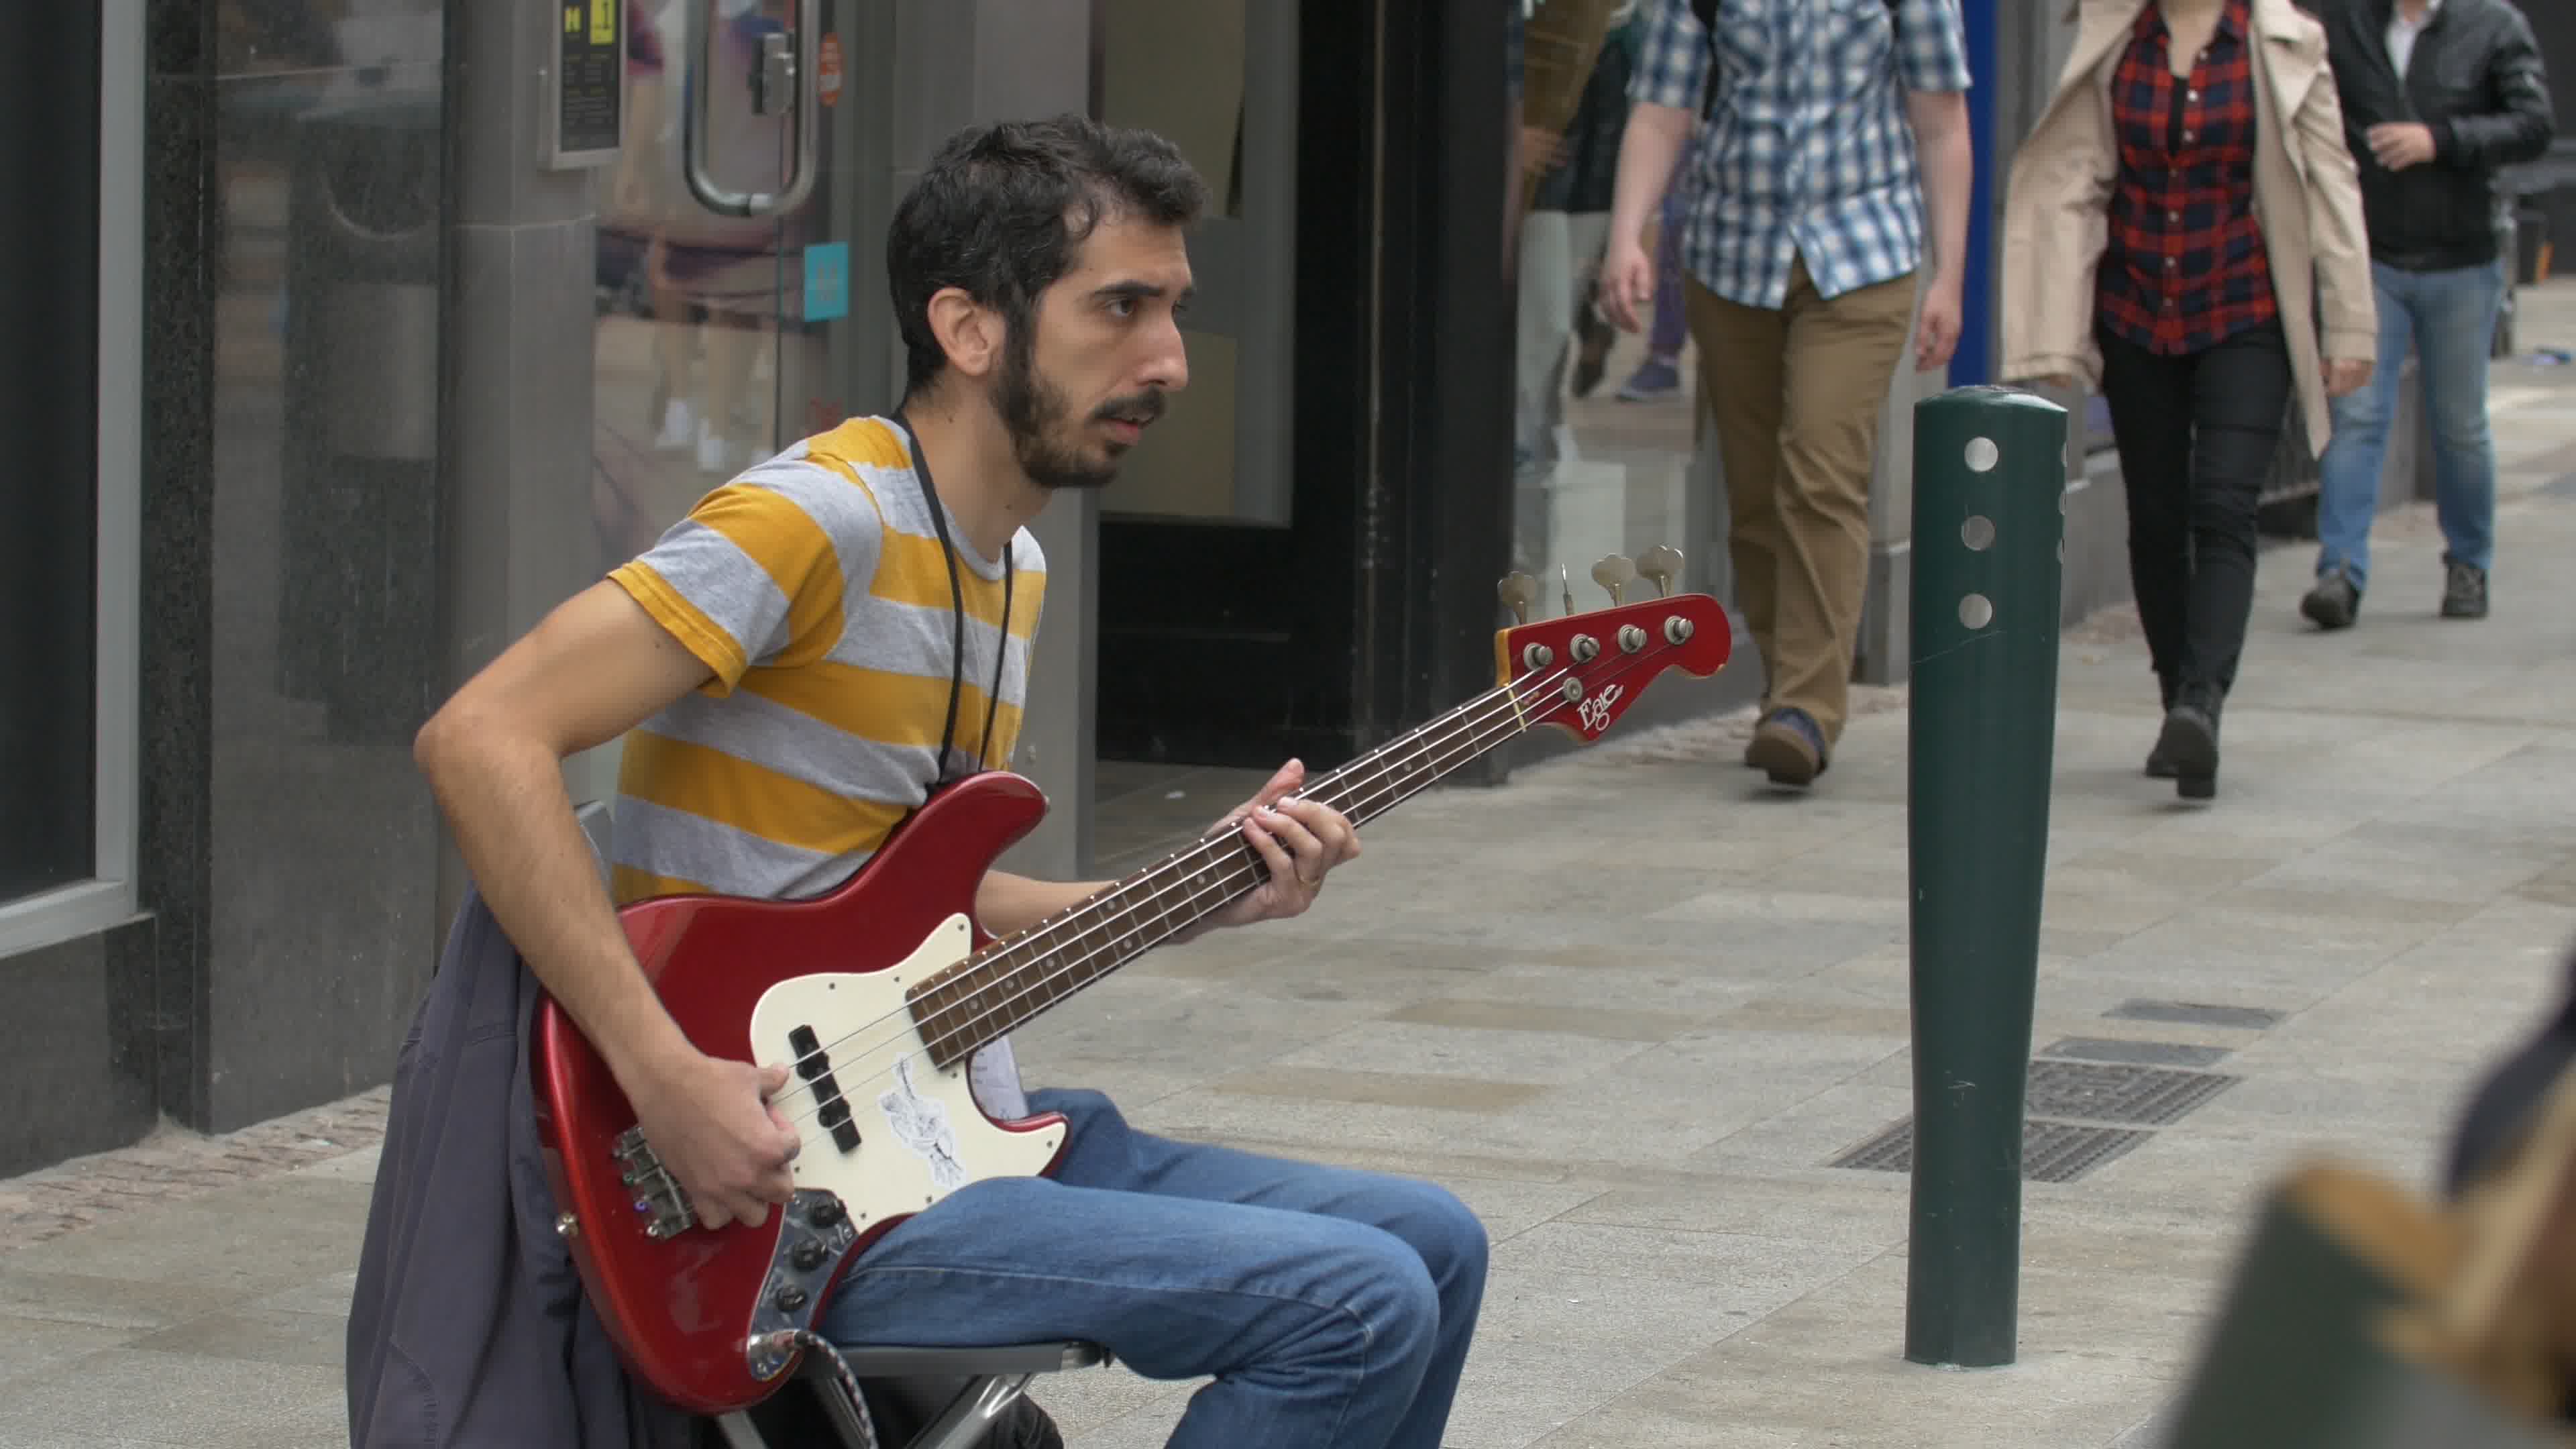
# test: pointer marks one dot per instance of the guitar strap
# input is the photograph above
(957, 617)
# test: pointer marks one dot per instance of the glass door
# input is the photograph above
(1227, 621)
(1224, 452)
(724, 280)
(749, 196)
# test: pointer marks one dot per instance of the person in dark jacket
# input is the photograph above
(2437, 94)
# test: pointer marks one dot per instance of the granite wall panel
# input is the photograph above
(324, 528)
(78, 1073)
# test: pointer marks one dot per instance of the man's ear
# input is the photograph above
(970, 333)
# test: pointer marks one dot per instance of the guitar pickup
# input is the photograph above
(816, 1068)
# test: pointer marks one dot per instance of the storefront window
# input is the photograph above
(1606, 424)
(48, 652)
(1224, 452)
(49, 261)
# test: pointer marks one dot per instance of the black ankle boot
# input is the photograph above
(2159, 765)
(2189, 743)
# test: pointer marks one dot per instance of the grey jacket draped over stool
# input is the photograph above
(469, 1329)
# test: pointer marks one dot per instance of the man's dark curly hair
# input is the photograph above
(1003, 210)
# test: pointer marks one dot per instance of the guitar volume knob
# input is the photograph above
(790, 1299)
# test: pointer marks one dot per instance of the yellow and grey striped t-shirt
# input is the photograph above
(813, 585)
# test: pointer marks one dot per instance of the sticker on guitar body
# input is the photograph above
(921, 1123)
(1595, 711)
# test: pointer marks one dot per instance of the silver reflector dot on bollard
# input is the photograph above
(1983, 454)
(1976, 611)
(1978, 532)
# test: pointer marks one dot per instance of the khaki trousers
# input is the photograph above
(1795, 395)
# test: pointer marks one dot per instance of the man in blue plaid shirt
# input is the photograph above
(1801, 248)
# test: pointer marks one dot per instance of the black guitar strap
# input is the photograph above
(957, 618)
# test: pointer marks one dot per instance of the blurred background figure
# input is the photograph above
(2438, 95)
(1833, 161)
(689, 296)
(1569, 175)
(2220, 276)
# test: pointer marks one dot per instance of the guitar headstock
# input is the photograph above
(1581, 672)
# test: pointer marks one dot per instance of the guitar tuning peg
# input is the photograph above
(1615, 573)
(1565, 581)
(1663, 564)
(1518, 592)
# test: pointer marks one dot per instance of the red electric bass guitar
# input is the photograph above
(877, 994)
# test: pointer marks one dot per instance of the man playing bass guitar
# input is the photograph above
(796, 666)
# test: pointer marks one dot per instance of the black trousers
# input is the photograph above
(2196, 435)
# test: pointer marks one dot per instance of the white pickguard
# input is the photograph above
(921, 1135)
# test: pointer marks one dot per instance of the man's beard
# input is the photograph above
(1034, 411)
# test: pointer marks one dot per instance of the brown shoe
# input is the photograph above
(1788, 747)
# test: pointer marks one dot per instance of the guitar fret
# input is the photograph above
(1163, 916)
(1124, 933)
(1090, 943)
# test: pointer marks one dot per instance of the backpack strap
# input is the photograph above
(1706, 10)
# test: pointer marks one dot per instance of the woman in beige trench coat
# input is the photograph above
(2183, 231)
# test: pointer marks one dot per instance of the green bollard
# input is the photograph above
(1989, 551)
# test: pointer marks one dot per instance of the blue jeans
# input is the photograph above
(1333, 1307)
(2450, 317)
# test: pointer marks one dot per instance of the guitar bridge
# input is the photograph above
(657, 1193)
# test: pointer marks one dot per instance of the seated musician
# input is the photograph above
(795, 665)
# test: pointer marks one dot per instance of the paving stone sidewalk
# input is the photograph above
(1633, 1005)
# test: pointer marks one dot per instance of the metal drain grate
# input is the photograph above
(2065, 1151)
(2192, 1013)
(2050, 1151)
(2140, 1053)
(2102, 1092)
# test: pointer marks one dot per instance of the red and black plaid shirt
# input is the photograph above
(2185, 269)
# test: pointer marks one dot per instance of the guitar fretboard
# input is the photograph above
(999, 989)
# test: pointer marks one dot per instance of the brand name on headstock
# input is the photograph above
(1595, 710)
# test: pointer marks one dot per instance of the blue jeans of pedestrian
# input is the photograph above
(2450, 318)
(1333, 1307)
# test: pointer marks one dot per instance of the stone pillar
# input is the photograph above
(958, 62)
(516, 444)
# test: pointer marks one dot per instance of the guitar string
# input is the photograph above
(1244, 870)
(1210, 853)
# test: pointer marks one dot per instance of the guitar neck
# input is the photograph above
(969, 1005)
